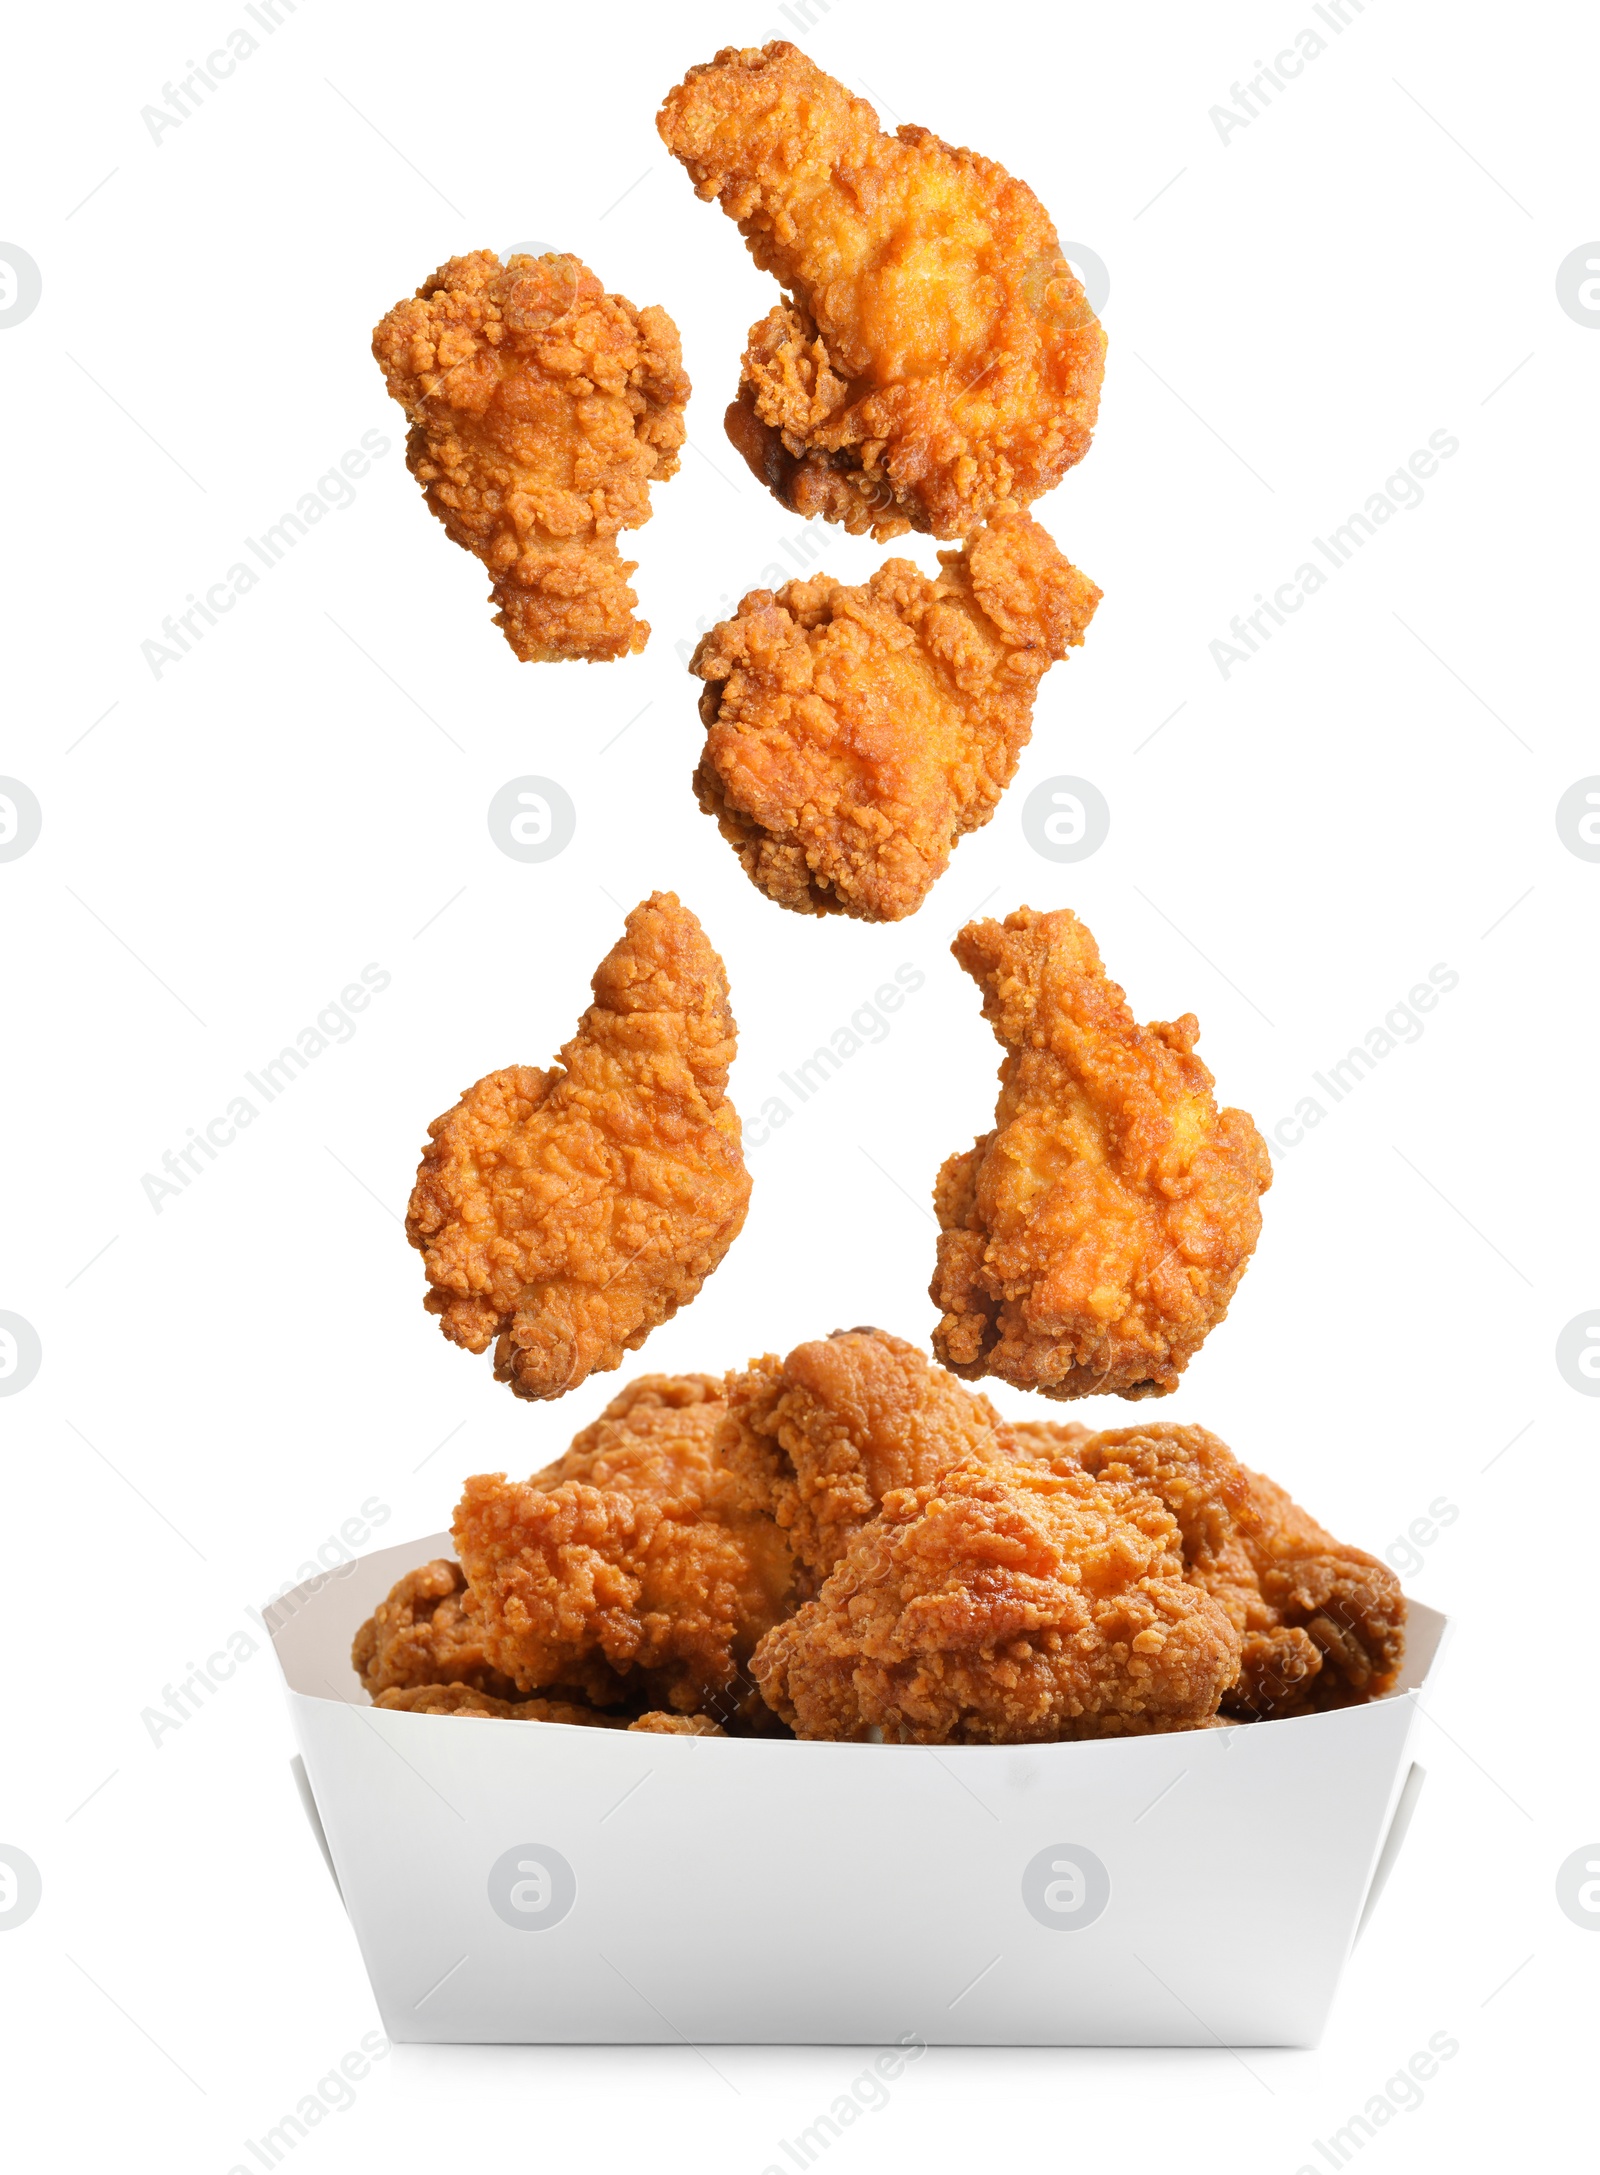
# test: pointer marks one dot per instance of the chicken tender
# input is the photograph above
(541, 410)
(854, 734)
(1322, 1624)
(563, 1215)
(428, 1633)
(1093, 1239)
(1004, 1604)
(635, 1560)
(820, 1438)
(934, 356)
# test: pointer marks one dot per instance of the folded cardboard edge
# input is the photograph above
(1399, 1823)
(308, 1805)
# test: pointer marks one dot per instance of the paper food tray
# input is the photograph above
(529, 1882)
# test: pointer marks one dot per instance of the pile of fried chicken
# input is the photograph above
(849, 1544)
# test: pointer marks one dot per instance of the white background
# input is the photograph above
(1371, 260)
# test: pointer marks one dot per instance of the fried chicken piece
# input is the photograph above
(569, 1213)
(636, 1559)
(934, 356)
(678, 1725)
(853, 735)
(820, 1438)
(1004, 1604)
(462, 1699)
(428, 1633)
(1322, 1624)
(1092, 1240)
(541, 411)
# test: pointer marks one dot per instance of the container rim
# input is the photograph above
(312, 1624)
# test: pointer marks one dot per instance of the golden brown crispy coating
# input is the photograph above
(1004, 1604)
(1348, 1603)
(1322, 1624)
(636, 1559)
(541, 410)
(678, 1725)
(1090, 1242)
(934, 357)
(462, 1699)
(820, 1438)
(569, 1213)
(429, 1632)
(853, 735)
(1052, 1443)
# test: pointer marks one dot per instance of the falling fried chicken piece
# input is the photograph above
(541, 411)
(1004, 1604)
(820, 1438)
(1090, 1242)
(568, 1213)
(634, 1561)
(853, 735)
(1323, 1624)
(934, 356)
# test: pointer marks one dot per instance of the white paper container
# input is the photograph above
(1189, 1890)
